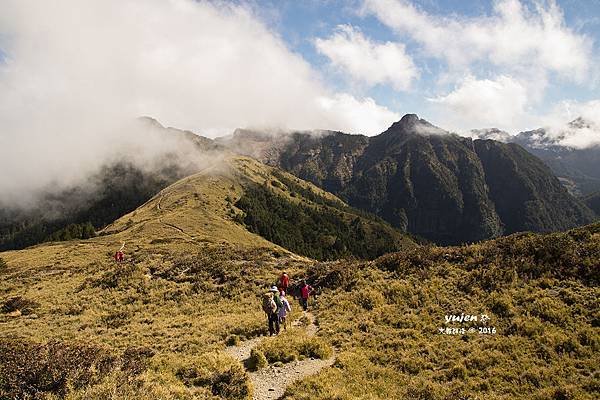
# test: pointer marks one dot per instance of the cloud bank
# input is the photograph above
(485, 102)
(73, 74)
(366, 61)
(513, 36)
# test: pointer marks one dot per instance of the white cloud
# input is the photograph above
(569, 123)
(364, 116)
(514, 36)
(76, 70)
(367, 61)
(584, 134)
(500, 103)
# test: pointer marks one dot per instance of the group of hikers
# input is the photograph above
(276, 305)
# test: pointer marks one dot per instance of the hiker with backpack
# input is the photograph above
(271, 305)
(285, 309)
(305, 292)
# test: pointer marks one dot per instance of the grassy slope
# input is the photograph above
(193, 277)
(292, 214)
(541, 292)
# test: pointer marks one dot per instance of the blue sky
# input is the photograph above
(300, 23)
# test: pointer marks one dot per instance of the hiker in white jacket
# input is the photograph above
(284, 310)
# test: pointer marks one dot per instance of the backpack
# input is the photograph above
(278, 302)
(268, 304)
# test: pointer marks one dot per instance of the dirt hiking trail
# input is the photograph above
(270, 382)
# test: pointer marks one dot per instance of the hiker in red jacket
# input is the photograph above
(284, 282)
(119, 255)
(305, 291)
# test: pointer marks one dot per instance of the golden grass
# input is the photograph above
(192, 277)
(384, 318)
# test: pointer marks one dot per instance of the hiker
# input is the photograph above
(286, 308)
(270, 307)
(305, 291)
(119, 255)
(284, 282)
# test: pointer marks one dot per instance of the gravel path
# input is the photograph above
(242, 351)
(270, 383)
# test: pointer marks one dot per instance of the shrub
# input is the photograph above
(459, 371)
(219, 373)
(115, 319)
(232, 340)
(257, 360)
(315, 349)
(501, 305)
(369, 298)
(549, 309)
(118, 276)
(118, 385)
(419, 389)
(292, 345)
(29, 368)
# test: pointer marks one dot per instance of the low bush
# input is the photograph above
(369, 299)
(28, 369)
(218, 373)
(257, 360)
(292, 345)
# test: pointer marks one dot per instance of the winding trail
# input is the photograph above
(270, 383)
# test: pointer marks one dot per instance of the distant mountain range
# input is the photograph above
(417, 177)
(577, 167)
(424, 180)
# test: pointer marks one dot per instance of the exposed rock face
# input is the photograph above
(434, 184)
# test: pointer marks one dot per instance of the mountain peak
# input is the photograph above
(409, 119)
(580, 123)
(491, 133)
(411, 123)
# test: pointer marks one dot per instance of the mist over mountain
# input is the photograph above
(154, 157)
(572, 152)
(425, 180)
